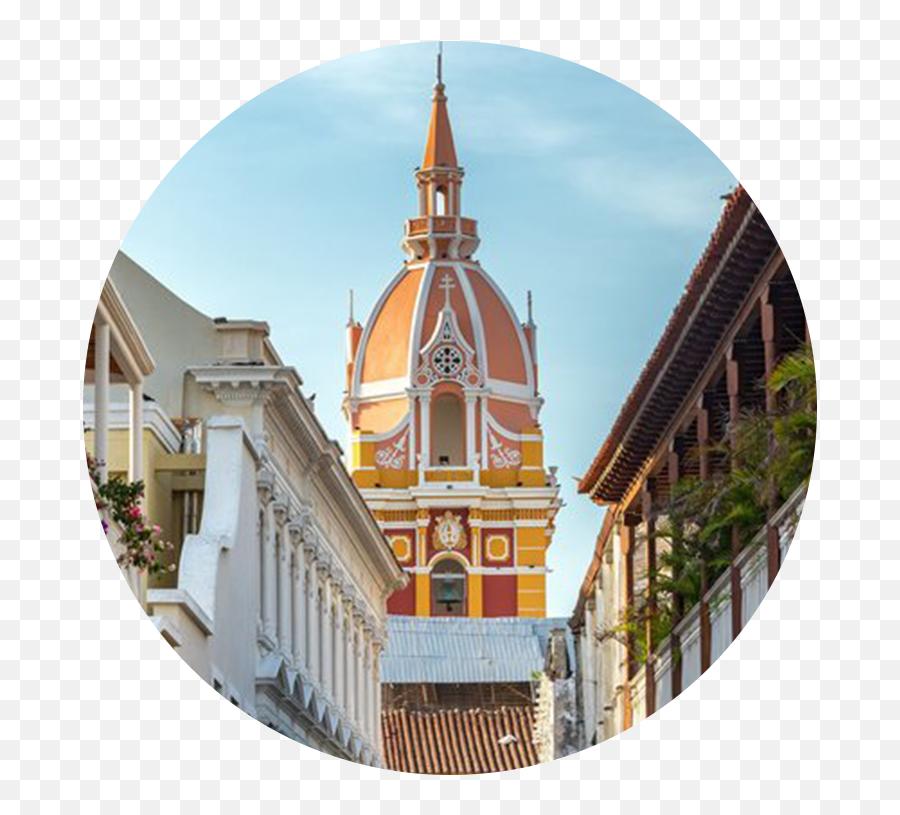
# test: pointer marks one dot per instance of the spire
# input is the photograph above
(439, 149)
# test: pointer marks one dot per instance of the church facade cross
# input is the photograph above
(447, 285)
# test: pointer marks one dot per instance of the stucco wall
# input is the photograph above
(177, 335)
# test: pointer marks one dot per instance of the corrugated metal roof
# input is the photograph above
(438, 650)
(459, 741)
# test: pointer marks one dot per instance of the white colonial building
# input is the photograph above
(279, 598)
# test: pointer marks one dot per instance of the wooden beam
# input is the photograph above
(626, 538)
(651, 609)
(733, 379)
(769, 333)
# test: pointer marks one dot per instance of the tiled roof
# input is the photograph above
(439, 650)
(458, 742)
(649, 396)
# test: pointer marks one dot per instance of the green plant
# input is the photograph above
(764, 454)
(119, 499)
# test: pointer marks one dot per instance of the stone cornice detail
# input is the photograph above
(265, 485)
(282, 509)
(241, 383)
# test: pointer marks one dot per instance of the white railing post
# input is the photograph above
(101, 398)
(136, 433)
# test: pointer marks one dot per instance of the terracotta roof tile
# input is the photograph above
(738, 205)
(458, 742)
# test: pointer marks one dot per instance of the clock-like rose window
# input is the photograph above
(447, 360)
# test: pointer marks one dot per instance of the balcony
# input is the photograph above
(752, 563)
(441, 225)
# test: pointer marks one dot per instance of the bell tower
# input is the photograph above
(443, 412)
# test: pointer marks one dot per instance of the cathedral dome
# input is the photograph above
(442, 322)
(394, 348)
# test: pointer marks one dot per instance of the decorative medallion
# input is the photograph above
(447, 360)
(402, 546)
(449, 533)
(497, 547)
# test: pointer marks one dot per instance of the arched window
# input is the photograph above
(443, 205)
(448, 589)
(448, 432)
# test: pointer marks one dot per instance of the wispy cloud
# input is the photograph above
(673, 194)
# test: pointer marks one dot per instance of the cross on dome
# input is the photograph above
(447, 285)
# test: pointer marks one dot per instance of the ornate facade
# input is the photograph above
(279, 598)
(443, 409)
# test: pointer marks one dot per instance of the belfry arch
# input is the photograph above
(448, 440)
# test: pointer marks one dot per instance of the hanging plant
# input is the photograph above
(119, 499)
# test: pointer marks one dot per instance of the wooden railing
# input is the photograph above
(752, 563)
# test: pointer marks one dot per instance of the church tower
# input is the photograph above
(442, 404)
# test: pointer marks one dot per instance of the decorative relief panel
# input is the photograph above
(502, 457)
(496, 548)
(448, 532)
(448, 356)
(394, 455)
(403, 547)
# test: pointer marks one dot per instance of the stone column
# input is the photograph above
(326, 631)
(264, 490)
(284, 581)
(339, 651)
(376, 673)
(101, 398)
(485, 460)
(136, 433)
(370, 682)
(413, 460)
(360, 675)
(349, 663)
(270, 576)
(358, 678)
(425, 410)
(298, 596)
(471, 398)
(312, 607)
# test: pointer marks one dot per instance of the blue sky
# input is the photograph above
(585, 192)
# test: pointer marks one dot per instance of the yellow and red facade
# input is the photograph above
(443, 410)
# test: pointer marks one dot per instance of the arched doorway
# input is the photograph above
(448, 443)
(448, 589)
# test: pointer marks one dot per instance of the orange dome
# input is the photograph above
(393, 351)
(442, 324)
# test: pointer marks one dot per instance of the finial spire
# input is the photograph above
(351, 307)
(530, 320)
(439, 149)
